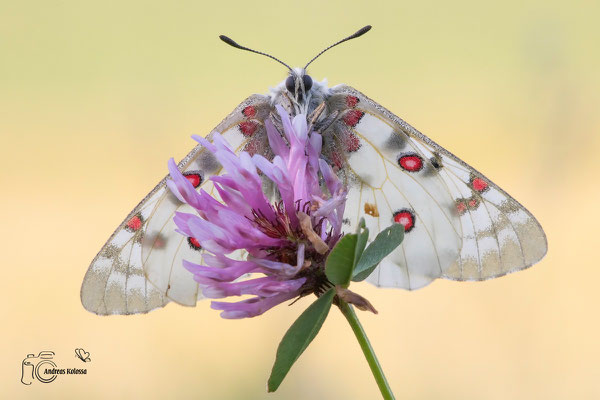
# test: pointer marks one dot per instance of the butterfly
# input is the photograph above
(458, 224)
(83, 355)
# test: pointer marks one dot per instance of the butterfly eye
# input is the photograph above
(307, 80)
(290, 84)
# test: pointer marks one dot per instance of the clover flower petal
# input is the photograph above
(279, 247)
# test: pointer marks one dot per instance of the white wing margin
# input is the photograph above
(464, 227)
(139, 268)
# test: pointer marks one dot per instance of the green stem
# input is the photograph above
(365, 345)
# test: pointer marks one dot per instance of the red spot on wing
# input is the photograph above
(248, 127)
(473, 203)
(461, 207)
(352, 117)
(411, 162)
(195, 178)
(405, 217)
(135, 223)
(194, 243)
(249, 112)
(252, 147)
(352, 142)
(479, 185)
(352, 101)
(158, 242)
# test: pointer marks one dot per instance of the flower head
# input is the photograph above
(286, 240)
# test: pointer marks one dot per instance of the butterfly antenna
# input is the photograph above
(232, 43)
(358, 33)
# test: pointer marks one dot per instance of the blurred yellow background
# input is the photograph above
(96, 96)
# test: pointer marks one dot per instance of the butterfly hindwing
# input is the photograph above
(459, 224)
(139, 268)
(115, 282)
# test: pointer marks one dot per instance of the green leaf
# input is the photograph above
(361, 241)
(340, 261)
(387, 240)
(298, 337)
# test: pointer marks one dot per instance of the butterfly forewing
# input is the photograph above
(139, 268)
(459, 225)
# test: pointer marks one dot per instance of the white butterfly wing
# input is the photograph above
(460, 225)
(139, 268)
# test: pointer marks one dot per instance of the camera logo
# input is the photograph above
(43, 368)
(40, 367)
